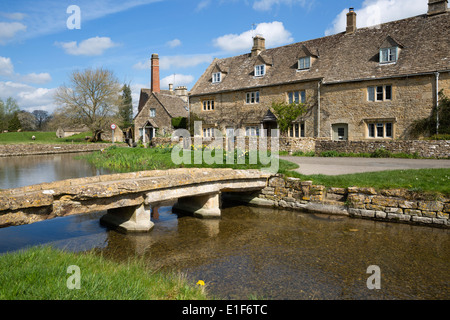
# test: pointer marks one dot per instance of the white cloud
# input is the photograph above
(202, 5)
(174, 43)
(7, 71)
(28, 98)
(266, 5)
(13, 15)
(169, 62)
(274, 33)
(177, 80)
(90, 47)
(375, 12)
(9, 29)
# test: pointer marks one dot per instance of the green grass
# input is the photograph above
(137, 159)
(41, 273)
(436, 181)
(41, 137)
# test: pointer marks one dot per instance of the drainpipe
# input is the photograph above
(318, 108)
(437, 102)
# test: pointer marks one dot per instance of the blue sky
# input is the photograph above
(38, 50)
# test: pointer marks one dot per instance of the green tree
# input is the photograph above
(14, 122)
(286, 113)
(7, 111)
(126, 107)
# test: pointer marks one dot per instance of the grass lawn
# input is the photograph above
(436, 181)
(41, 137)
(41, 273)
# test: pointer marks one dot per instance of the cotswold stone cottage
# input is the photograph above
(157, 107)
(361, 84)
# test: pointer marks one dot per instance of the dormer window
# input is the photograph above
(388, 55)
(216, 77)
(260, 70)
(304, 63)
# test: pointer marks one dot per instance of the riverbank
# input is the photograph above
(43, 273)
(25, 149)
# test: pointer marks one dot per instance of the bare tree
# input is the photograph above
(91, 99)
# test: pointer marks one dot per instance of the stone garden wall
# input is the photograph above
(396, 205)
(9, 150)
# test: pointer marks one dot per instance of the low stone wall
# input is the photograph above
(396, 205)
(424, 148)
(9, 150)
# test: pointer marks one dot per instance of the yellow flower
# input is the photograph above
(201, 282)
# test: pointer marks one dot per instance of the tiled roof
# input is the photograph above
(423, 41)
(174, 105)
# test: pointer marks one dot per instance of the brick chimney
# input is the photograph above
(437, 6)
(351, 21)
(259, 44)
(155, 85)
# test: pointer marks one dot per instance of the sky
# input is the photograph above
(43, 41)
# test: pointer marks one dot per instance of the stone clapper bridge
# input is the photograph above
(128, 197)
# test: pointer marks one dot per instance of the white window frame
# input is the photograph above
(304, 63)
(379, 130)
(297, 96)
(260, 70)
(373, 93)
(388, 55)
(152, 112)
(252, 131)
(208, 105)
(252, 97)
(208, 132)
(216, 77)
(297, 130)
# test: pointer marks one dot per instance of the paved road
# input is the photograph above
(336, 166)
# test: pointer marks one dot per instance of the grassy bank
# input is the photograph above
(435, 181)
(41, 137)
(42, 273)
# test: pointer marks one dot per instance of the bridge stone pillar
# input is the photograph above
(129, 219)
(204, 206)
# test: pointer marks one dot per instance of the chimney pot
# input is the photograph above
(351, 21)
(437, 6)
(155, 84)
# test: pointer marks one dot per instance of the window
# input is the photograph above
(379, 93)
(388, 55)
(297, 97)
(260, 70)
(297, 130)
(252, 131)
(208, 105)
(208, 132)
(216, 77)
(252, 97)
(152, 113)
(304, 63)
(380, 130)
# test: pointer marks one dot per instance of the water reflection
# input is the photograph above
(27, 170)
(273, 254)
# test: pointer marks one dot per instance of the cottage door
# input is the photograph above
(340, 131)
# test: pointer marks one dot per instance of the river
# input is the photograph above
(258, 252)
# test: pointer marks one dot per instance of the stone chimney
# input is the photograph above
(437, 6)
(182, 92)
(155, 85)
(259, 45)
(351, 21)
(170, 86)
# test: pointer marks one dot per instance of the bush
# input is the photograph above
(329, 153)
(381, 153)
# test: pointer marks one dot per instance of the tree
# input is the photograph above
(91, 99)
(14, 122)
(7, 111)
(41, 117)
(27, 121)
(126, 107)
(286, 113)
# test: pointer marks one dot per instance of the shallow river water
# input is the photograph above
(267, 253)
